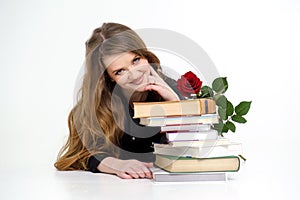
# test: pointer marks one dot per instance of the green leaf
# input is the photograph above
(206, 92)
(238, 119)
(243, 108)
(222, 101)
(225, 128)
(219, 127)
(216, 97)
(230, 126)
(220, 85)
(229, 109)
(222, 113)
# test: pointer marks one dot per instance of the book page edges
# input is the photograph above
(175, 168)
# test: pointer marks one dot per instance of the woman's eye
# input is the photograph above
(119, 72)
(136, 60)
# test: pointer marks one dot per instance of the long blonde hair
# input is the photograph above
(95, 122)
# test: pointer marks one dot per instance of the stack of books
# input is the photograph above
(195, 152)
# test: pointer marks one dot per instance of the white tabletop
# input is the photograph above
(47, 183)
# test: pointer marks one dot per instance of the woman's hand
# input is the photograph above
(126, 169)
(160, 86)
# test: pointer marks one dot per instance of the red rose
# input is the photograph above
(189, 84)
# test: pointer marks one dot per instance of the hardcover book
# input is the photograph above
(184, 164)
(186, 127)
(173, 108)
(192, 135)
(160, 175)
(199, 143)
(178, 120)
(199, 152)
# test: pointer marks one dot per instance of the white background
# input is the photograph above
(255, 44)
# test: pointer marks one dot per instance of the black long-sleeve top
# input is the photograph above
(137, 140)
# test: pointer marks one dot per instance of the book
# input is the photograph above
(184, 164)
(173, 108)
(199, 152)
(192, 135)
(186, 127)
(200, 143)
(179, 120)
(160, 175)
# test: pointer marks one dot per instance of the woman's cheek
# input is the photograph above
(121, 81)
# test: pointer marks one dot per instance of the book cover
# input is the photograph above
(173, 108)
(178, 120)
(199, 143)
(184, 164)
(160, 175)
(192, 135)
(186, 127)
(205, 151)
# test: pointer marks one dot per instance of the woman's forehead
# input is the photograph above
(118, 60)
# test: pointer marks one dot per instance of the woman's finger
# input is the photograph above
(149, 174)
(133, 173)
(124, 175)
(141, 172)
(156, 87)
(166, 93)
(150, 164)
(147, 171)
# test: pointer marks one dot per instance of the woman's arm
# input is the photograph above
(126, 169)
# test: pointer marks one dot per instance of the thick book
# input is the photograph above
(160, 175)
(192, 135)
(199, 152)
(200, 143)
(186, 127)
(184, 164)
(179, 120)
(173, 108)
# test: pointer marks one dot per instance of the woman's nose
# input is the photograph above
(132, 72)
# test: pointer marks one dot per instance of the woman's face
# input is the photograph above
(128, 70)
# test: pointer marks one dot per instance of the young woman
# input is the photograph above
(103, 136)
